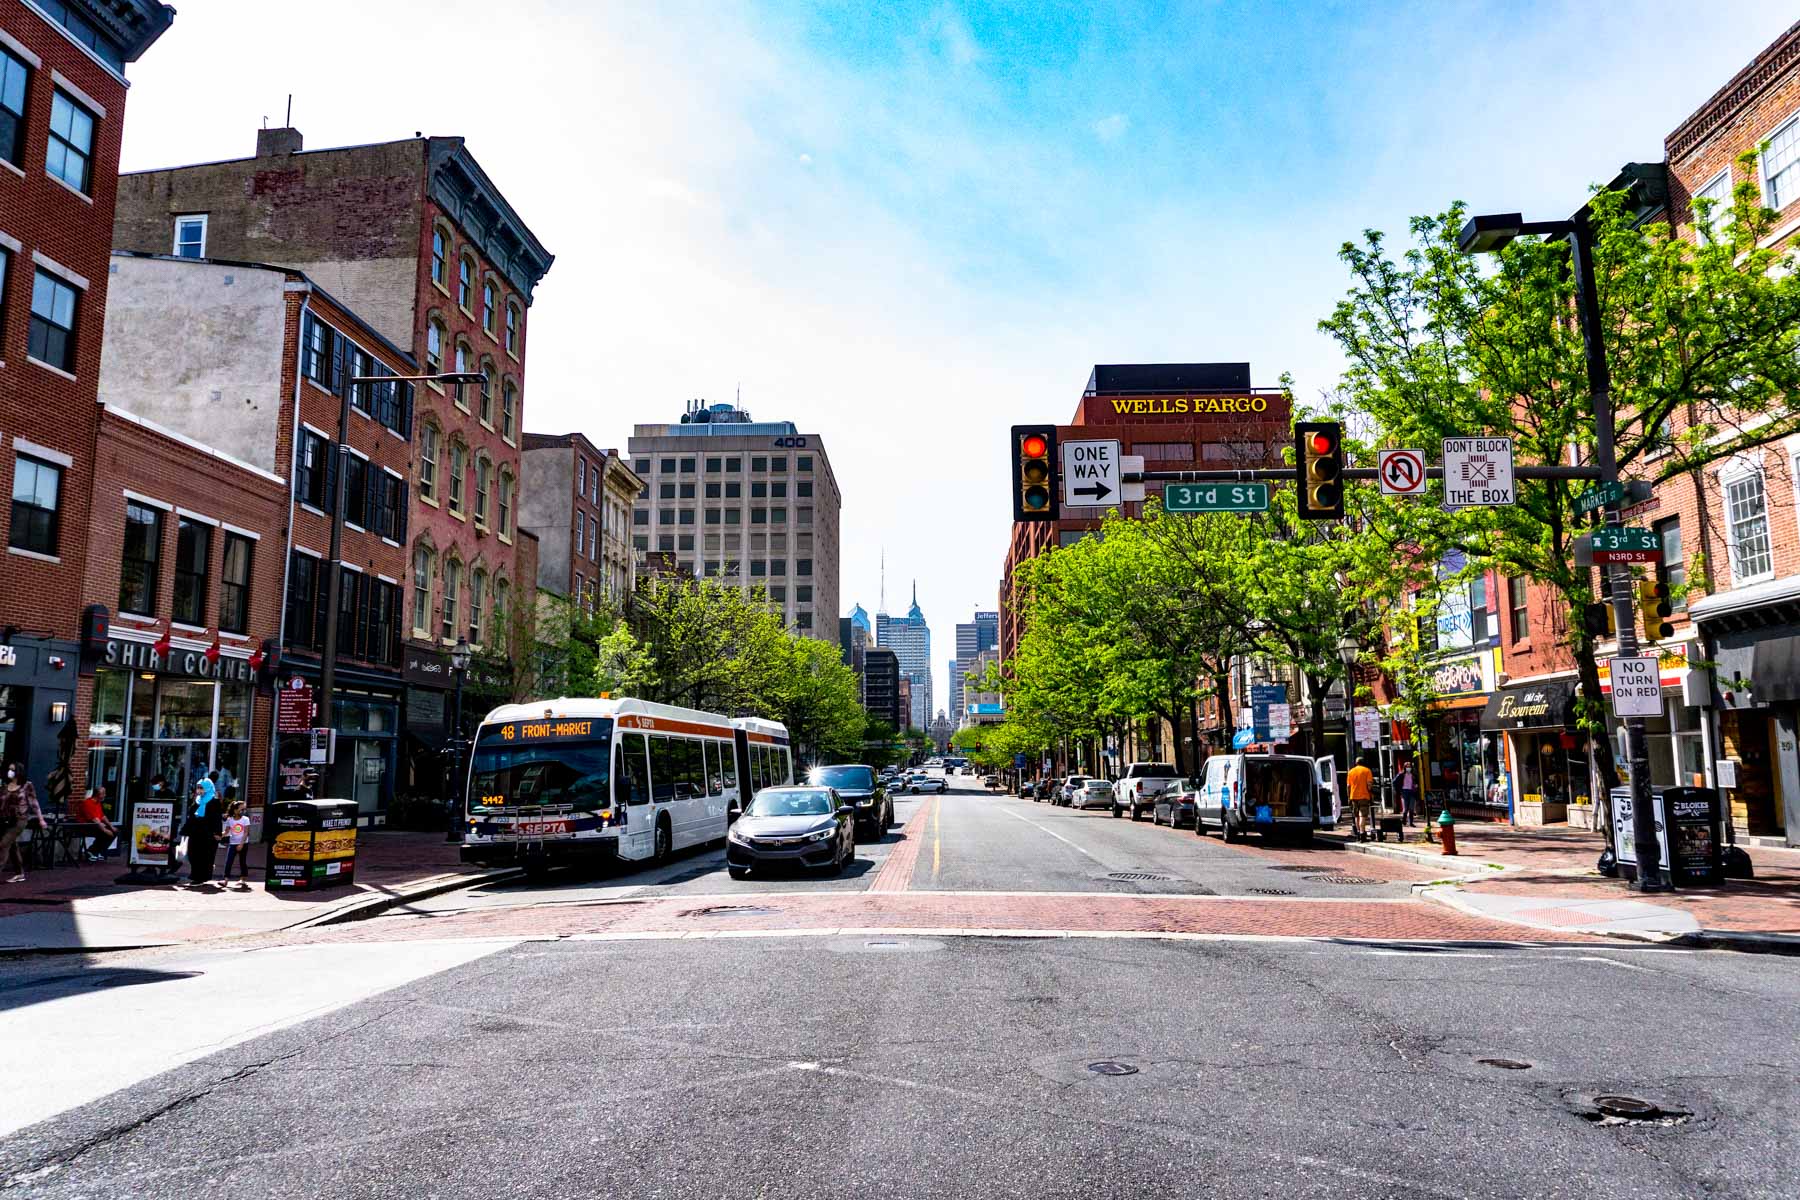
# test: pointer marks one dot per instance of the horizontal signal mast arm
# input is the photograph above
(1286, 474)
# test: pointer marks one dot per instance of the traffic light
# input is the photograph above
(1034, 472)
(1319, 469)
(1653, 601)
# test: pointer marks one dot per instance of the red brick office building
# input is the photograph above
(418, 240)
(62, 110)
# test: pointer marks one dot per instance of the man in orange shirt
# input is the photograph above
(92, 809)
(1359, 787)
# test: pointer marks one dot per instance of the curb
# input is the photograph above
(1470, 869)
(1738, 941)
(424, 889)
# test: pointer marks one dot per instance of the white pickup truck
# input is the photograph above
(1142, 783)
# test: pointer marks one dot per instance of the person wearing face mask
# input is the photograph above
(19, 811)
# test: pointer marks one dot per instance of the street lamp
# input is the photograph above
(1481, 235)
(459, 670)
(1348, 651)
(334, 566)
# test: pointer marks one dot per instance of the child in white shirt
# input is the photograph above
(237, 838)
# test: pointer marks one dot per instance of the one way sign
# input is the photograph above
(1090, 473)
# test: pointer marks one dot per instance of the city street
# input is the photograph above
(997, 1021)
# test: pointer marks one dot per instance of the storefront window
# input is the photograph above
(184, 709)
(109, 704)
(143, 706)
(234, 712)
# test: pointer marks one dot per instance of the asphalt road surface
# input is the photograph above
(404, 1057)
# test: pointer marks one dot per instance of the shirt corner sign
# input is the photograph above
(1478, 472)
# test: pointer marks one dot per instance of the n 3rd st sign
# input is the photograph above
(1216, 497)
(1623, 544)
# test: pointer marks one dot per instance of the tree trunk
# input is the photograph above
(1175, 707)
(1318, 718)
(1227, 718)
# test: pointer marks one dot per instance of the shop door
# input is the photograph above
(369, 762)
(15, 710)
(1756, 772)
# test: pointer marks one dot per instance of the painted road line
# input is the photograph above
(1059, 837)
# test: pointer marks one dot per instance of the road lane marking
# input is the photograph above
(937, 831)
(1059, 837)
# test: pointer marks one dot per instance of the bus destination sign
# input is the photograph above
(550, 729)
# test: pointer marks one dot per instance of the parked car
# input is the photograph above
(792, 827)
(1137, 789)
(857, 785)
(1065, 792)
(1095, 793)
(1042, 789)
(1177, 805)
(918, 783)
(1271, 794)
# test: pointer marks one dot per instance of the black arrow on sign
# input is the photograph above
(1099, 491)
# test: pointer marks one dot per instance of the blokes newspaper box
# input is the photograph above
(314, 844)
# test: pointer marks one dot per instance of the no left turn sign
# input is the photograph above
(1401, 472)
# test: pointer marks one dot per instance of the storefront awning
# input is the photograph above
(1547, 705)
(1448, 703)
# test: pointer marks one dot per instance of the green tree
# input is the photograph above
(1700, 340)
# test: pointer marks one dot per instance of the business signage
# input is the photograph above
(152, 834)
(1459, 678)
(429, 668)
(142, 656)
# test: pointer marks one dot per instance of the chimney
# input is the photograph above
(270, 142)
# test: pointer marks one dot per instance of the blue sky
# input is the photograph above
(907, 226)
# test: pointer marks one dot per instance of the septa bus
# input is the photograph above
(565, 780)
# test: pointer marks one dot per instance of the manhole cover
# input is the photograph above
(1628, 1108)
(1505, 1064)
(730, 910)
(1261, 891)
(1110, 1067)
(1344, 880)
(1140, 877)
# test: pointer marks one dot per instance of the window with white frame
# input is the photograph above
(428, 456)
(421, 609)
(1718, 190)
(190, 236)
(447, 620)
(1781, 166)
(1747, 526)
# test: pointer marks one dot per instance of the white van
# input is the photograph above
(1271, 794)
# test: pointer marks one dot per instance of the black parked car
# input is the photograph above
(859, 786)
(1177, 806)
(792, 827)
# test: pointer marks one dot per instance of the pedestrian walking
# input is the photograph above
(1409, 793)
(19, 812)
(202, 832)
(1360, 784)
(237, 843)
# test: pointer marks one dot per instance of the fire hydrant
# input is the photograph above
(1447, 831)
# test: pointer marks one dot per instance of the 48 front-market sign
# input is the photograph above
(142, 656)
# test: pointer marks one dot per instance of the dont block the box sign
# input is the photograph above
(1478, 472)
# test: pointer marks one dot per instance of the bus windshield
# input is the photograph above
(550, 771)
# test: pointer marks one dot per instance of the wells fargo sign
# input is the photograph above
(1185, 406)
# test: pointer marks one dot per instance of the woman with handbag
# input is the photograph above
(19, 811)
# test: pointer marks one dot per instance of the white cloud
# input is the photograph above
(1111, 128)
(806, 160)
(954, 38)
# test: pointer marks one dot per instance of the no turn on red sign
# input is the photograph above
(1636, 686)
(1401, 472)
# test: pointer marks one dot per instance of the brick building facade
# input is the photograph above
(578, 500)
(414, 236)
(253, 365)
(62, 111)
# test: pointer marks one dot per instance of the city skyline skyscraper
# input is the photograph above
(909, 637)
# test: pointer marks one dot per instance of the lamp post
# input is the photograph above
(1483, 234)
(459, 670)
(325, 718)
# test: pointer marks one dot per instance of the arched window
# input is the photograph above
(502, 597)
(421, 581)
(509, 410)
(465, 362)
(440, 257)
(465, 284)
(477, 601)
(482, 470)
(490, 386)
(452, 579)
(434, 346)
(428, 462)
(514, 319)
(489, 317)
(459, 459)
(503, 526)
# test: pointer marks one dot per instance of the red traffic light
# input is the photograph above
(1322, 443)
(1034, 446)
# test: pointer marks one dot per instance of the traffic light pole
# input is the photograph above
(1618, 576)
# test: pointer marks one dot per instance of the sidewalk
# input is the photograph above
(84, 907)
(1545, 878)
